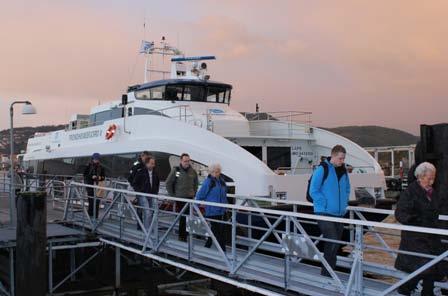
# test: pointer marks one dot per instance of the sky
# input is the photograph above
(350, 62)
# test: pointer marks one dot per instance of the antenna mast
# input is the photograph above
(148, 48)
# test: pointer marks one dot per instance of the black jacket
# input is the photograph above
(415, 209)
(91, 170)
(142, 184)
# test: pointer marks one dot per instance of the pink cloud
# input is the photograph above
(350, 62)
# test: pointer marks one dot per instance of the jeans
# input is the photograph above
(145, 210)
(330, 230)
(219, 231)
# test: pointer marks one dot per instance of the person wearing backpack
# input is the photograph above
(214, 190)
(182, 182)
(137, 166)
(329, 189)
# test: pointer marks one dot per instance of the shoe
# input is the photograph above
(325, 273)
(403, 292)
(182, 238)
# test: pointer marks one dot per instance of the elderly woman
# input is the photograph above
(214, 190)
(418, 206)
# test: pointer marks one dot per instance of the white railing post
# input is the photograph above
(234, 238)
(359, 257)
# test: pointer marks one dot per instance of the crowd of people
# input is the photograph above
(329, 192)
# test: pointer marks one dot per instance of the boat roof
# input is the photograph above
(162, 82)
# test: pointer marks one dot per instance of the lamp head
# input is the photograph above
(28, 109)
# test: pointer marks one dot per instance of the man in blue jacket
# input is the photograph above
(330, 191)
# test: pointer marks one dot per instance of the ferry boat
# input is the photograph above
(266, 154)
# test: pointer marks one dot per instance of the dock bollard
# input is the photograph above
(31, 259)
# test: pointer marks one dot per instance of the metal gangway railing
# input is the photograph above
(54, 185)
(269, 251)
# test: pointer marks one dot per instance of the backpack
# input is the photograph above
(308, 196)
(136, 166)
(211, 186)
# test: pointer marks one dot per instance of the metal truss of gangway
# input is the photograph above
(274, 257)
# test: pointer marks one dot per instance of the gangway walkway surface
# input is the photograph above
(272, 259)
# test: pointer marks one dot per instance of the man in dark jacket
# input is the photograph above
(137, 166)
(93, 174)
(419, 206)
(182, 182)
(147, 181)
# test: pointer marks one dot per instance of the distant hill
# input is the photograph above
(21, 136)
(365, 136)
(369, 136)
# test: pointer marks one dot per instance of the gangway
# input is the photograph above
(274, 258)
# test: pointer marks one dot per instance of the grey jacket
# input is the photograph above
(182, 183)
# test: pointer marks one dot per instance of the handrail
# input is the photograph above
(282, 234)
(279, 213)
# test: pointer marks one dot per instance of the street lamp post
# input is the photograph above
(28, 108)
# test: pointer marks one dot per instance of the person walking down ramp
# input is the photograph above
(330, 191)
(214, 190)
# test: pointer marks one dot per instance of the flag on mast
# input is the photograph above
(146, 46)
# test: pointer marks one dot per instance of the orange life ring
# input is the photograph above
(111, 131)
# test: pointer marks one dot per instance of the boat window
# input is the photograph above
(143, 94)
(193, 93)
(255, 151)
(279, 157)
(216, 94)
(100, 117)
(227, 96)
(68, 160)
(155, 93)
(173, 93)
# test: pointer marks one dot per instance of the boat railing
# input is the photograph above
(184, 113)
(294, 121)
(253, 231)
(299, 171)
(179, 112)
(291, 117)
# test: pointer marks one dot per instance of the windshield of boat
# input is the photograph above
(185, 92)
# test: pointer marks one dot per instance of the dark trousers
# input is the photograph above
(330, 230)
(219, 231)
(409, 286)
(92, 203)
(182, 221)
